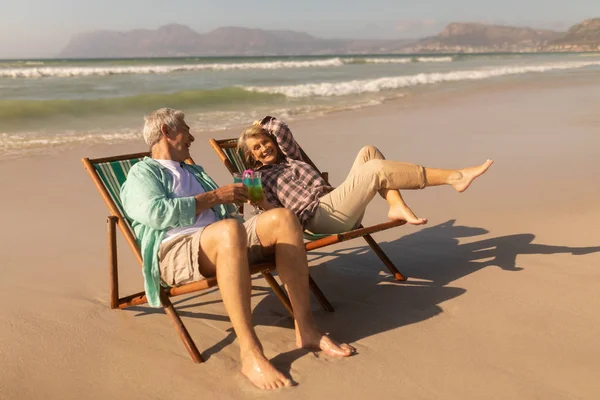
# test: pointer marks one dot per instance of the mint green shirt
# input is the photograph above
(147, 197)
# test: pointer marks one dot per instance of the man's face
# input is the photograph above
(180, 140)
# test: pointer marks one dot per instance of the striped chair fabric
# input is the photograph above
(113, 174)
(236, 158)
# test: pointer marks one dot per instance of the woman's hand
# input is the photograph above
(264, 204)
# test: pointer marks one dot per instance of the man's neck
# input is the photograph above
(161, 152)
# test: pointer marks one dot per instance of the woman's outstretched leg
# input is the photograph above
(460, 179)
(341, 209)
(399, 210)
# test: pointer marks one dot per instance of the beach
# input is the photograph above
(500, 303)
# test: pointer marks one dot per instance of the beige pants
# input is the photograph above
(342, 209)
(178, 257)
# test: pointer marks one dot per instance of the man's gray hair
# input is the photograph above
(156, 119)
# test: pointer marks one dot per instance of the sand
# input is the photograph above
(502, 298)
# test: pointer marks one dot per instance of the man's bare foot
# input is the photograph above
(464, 177)
(404, 213)
(325, 344)
(262, 373)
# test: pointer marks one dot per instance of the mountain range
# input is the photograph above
(176, 40)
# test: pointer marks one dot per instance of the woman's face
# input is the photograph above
(263, 149)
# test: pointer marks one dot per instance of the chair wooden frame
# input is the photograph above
(117, 219)
(364, 232)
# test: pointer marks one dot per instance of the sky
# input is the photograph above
(41, 28)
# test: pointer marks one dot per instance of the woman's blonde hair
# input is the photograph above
(253, 131)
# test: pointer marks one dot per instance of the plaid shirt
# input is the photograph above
(292, 183)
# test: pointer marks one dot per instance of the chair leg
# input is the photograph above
(388, 263)
(319, 295)
(113, 270)
(281, 295)
(181, 329)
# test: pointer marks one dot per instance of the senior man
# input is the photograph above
(181, 217)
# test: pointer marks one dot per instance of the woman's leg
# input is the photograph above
(398, 207)
(364, 155)
(342, 209)
(460, 179)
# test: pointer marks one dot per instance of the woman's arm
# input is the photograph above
(265, 205)
(269, 183)
(285, 140)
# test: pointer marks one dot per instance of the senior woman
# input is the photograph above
(269, 146)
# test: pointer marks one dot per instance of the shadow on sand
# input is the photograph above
(368, 301)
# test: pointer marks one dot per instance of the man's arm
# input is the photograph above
(145, 200)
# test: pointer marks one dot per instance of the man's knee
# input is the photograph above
(282, 218)
(232, 234)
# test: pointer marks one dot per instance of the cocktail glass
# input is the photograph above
(237, 178)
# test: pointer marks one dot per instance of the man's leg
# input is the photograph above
(279, 230)
(223, 252)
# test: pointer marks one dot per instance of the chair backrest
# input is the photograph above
(113, 174)
(227, 151)
(108, 175)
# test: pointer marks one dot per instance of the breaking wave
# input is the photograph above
(37, 70)
(82, 71)
(397, 60)
(390, 83)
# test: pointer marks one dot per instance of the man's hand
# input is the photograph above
(234, 193)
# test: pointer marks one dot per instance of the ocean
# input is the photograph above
(47, 105)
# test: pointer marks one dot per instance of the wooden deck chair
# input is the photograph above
(227, 151)
(108, 175)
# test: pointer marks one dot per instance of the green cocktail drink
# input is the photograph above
(251, 180)
(255, 191)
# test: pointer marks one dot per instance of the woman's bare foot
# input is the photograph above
(464, 177)
(262, 373)
(404, 213)
(318, 341)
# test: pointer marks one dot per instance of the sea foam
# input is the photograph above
(82, 71)
(390, 83)
(36, 70)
